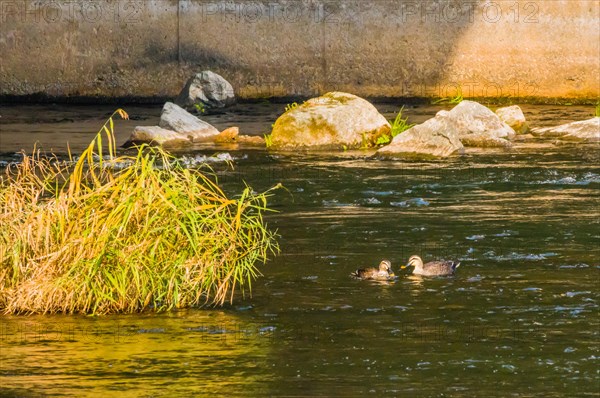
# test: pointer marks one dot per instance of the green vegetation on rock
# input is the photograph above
(200, 107)
(291, 106)
(457, 99)
(399, 125)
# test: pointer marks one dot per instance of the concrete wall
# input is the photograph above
(378, 48)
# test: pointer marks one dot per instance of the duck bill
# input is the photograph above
(404, 266)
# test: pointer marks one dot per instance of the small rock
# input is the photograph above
(435, 137)
(228, 135)
(207, 88)
(586, 130)
(232, 135)
(251, 140)
(333, 120)
(514, 117)
(476, 125)
(181, 121)
(154, 135)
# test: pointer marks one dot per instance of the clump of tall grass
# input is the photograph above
(95, 238)
(398, 126)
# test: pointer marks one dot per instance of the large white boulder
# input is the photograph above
(334, 120)
(477, 126)
(435, 137)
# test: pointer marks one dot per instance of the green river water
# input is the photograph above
(520, 318)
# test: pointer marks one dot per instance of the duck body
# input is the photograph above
(383, 273)
(432, 268)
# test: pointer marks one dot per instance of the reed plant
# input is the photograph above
(398, 126)
(105, 234)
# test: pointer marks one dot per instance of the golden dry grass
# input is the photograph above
(91, 237)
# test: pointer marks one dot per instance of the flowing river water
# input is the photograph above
(520, 318)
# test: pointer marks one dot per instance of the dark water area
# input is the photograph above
(520, 317)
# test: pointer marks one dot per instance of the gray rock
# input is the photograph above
(334, 120)
(435, 137)
(181, 121)
(585, 130)
(476, 125)
(155, 135)
(514, 117)
(207, 88)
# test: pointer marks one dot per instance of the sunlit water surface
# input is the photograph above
(520, 318)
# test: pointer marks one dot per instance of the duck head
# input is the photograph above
(414, 261)
(386, 266)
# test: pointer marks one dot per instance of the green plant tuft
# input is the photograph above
(399, 125)
(268, 140)
(450, 100)
(200, 107)
(108, 234)
(291, 106)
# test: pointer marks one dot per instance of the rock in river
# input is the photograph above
(232, 135)
(469, 124)
(476, 125)
(334, 120)
(155, 135)
(207, 88)
(514, 117)
(228, 135)
(435, 137)
(585, 130)
(177, 119)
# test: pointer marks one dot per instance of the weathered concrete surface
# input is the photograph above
(393, 48)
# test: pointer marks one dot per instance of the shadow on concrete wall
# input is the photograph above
(381, 48)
